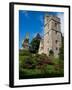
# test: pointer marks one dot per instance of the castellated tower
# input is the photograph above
(25, 42)
(52, 35)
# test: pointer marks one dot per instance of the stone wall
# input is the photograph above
(52, 35)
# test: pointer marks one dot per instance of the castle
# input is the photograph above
(52, 36)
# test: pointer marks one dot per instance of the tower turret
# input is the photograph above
(25, 42)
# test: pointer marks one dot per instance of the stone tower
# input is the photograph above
(25, 42)
(52, 34)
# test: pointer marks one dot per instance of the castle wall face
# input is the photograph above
(52, 35)
(41, 47)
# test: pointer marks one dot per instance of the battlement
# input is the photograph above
(53, 18)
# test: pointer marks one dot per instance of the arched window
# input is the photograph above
(56, 41)
(56, 32)
(55, 25)
(56, 48)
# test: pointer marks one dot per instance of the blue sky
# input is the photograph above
(33, 23)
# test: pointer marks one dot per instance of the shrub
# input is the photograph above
(24, 53)
(51, 53)
(28, 61)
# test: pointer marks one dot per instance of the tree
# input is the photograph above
(51, 53)
(61, 57)
(34, 45)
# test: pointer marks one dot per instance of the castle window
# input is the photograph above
(56, 32)
(55, 24)
(56, 48)
(56, 41)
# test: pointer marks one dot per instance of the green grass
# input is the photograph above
(32, 66)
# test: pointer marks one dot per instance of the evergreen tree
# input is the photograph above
(34, 45)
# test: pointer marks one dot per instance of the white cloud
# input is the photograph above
(26, 13)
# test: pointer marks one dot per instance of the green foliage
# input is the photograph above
(34, 45)
(24, 53)
(55, 60)
(50, 68)
(51, 53)
(61, 57)
(37, 66)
